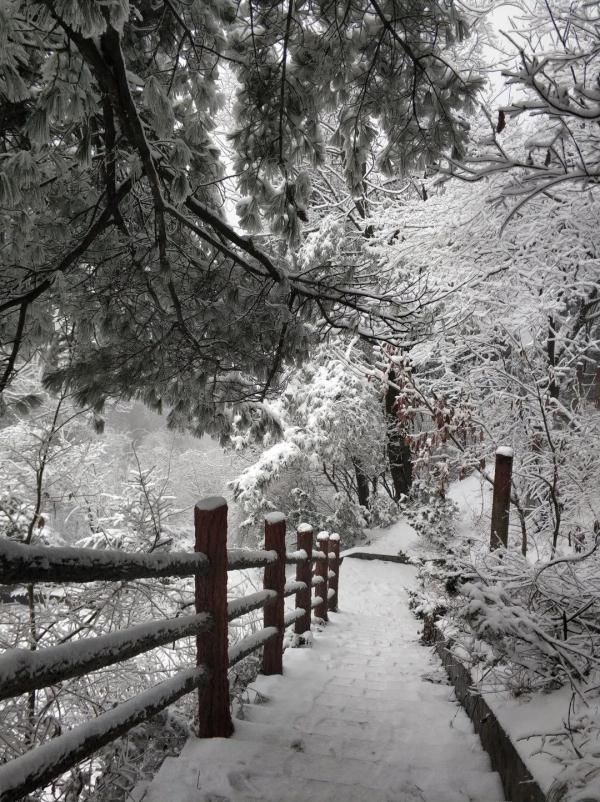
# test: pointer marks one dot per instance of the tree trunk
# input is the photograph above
(362, 484)
(399, 456)
(551, 352)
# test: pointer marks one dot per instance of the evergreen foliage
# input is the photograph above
(114, 230)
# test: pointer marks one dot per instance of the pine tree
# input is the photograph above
(114, 236)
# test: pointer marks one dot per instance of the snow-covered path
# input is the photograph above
(365, 715)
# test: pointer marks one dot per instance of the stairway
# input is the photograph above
(364, 715)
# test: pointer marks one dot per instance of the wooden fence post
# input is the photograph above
(501, 502)
(304, 574)
(210, 521)
(274, 580)
(334, 564)
(322, 570)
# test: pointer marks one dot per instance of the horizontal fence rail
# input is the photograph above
(20, 563)
(239, 559)
(23, 670)
(250, 644)
(247, 604)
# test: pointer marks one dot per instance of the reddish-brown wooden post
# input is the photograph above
(334, 564)
(210, 520)
(501, 502)
(274, 580)
(304, 574)
(322, 570)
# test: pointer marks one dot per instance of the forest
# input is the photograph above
(317, 256)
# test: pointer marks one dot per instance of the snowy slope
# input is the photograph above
(393, 540)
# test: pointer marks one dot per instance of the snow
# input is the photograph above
(274, 517)
(322, 536)
(401, 538)
(335, 537)
(504, 451)
(249, 558)
(364, 715)
(211, 503)
(293, 586)
(305, 528)
(293, 615)
(527, 721)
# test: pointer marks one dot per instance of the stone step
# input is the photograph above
(441, 743)
(239, 770)
(333, 720)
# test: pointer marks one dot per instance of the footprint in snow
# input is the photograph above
(408, 793)
(240, 781)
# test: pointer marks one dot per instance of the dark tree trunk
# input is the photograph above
(399, 456)
(551, 351)
(362, 484)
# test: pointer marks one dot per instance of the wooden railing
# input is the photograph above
(23, 670)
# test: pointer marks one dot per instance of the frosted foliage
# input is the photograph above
(322, 245)
(550, 60)
(63, 483)
(332, 417)
(515, 345)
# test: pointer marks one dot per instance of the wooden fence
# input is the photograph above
(23, 670)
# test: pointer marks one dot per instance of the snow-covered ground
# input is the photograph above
(400, 538)
(556, 734)
(365, 715)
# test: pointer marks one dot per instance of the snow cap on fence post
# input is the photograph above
(334, 564)
(501, 502)
(322, 570)
(304, 574)
(210, 521)
(274, 580)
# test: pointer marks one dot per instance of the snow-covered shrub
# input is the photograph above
(383, 510)
(348, 518)
(538, 620)
(433, 518)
